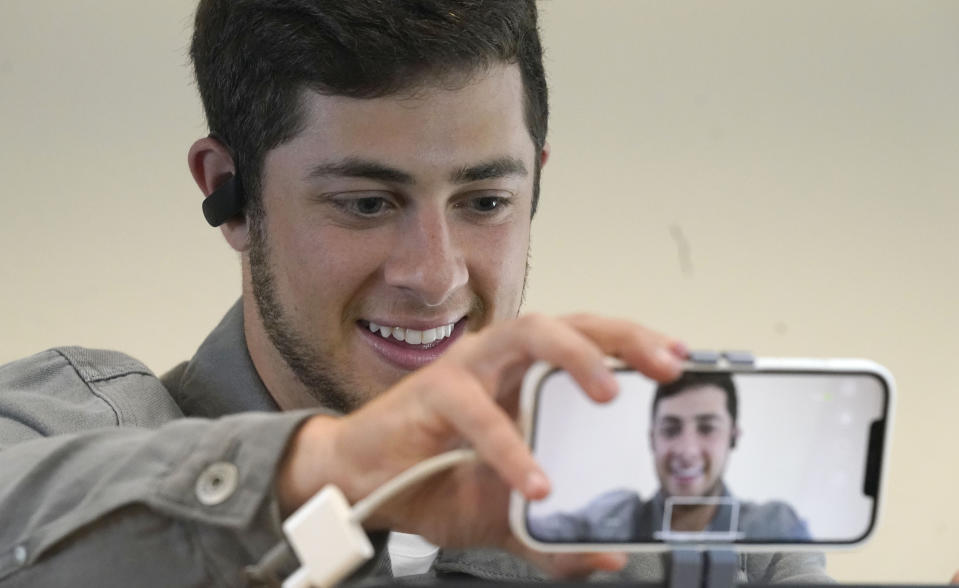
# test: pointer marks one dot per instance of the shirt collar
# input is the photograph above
(220, 379)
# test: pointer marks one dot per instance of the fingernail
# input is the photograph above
(668, 357)
(680, 350)
(537, 485)
(610, 562)
(607, 383)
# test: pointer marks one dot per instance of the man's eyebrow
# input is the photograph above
(490, 170)
(707, 417)
(354, 167)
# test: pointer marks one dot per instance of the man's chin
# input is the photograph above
(694, 490)
(374, 377)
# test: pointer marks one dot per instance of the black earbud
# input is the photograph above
(732, 442)
(224, 203)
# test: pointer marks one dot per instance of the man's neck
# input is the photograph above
(287, 390)
(692, 517)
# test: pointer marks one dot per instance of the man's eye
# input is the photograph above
(364, 207)
(369, 206)
(487, 203)
(706, 430)
(670, 432)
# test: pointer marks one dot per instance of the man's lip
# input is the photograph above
(406, 356)
(687, 477)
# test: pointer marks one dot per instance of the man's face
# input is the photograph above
(392, 226)
(691, 440)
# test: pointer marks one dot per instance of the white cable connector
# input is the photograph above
(326, 539)
(327, 535)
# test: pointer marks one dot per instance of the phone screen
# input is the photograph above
(749, 457)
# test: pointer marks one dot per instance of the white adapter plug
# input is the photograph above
(327, 539)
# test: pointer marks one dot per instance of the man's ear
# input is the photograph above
(734, 438)
(212, 165)
(544, 155)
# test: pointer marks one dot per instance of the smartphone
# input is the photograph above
(767, 454)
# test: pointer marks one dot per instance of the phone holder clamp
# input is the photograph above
(717, 358)
(713, 568)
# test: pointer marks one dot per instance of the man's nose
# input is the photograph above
(686, 445)
(427, 261)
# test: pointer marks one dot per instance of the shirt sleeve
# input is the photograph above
(103, 483)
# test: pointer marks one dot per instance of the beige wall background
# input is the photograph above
(779, 177)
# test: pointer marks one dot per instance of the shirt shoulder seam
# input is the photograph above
(88, 383)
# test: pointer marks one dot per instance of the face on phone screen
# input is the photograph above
(764, 457)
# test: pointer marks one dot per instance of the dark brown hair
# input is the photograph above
(690, 380)
(253, 58)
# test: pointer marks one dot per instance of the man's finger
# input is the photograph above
(569, 565)
(474, 414)
(535, 337)
(654, 354)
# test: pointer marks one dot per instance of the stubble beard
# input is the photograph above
(306, 362)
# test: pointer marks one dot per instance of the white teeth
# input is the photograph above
(413, 336)
(688, 472)
(385, 331)
(429, 335)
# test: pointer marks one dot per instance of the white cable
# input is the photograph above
(364, 508)
(327, 535)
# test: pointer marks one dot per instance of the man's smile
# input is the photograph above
(686, 475)
(408, 348)
(413, 336)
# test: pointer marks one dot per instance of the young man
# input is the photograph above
(385, 160)
(695, 428)
(693, 432)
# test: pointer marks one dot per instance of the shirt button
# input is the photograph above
(20, 554)
(217, 483)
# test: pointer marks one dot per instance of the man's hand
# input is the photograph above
(469, 397)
